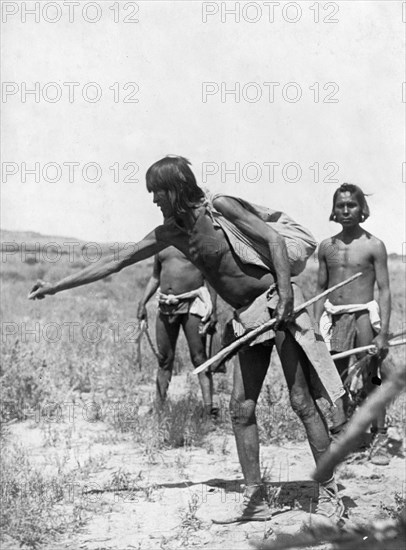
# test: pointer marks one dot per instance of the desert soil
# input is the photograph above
(132, 498)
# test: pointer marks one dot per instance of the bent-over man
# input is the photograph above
(249, 264)
(183, 301)
(351, 317)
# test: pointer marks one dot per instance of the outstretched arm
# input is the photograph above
(259, 231)
(107, 266)
(150, 289)
(322, 281)
(382, 279)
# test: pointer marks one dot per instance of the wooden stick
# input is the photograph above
(370, 347)
(139, 338)
(143, 329)
(359, 423)
(151, 344)
(397, 334)
(269, 324)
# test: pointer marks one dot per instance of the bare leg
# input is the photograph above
(340, 411)
(191, 324)
(296, 369)
(249, 374)
(166, 338)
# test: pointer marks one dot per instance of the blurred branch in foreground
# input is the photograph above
(382, 535)
(359, 423)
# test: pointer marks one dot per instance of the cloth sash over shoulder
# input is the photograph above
(300, 243)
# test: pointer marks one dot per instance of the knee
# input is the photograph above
(242, 412)
(165, 360)
(302, 403)
(198, 358)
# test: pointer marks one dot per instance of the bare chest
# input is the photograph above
(205, 245)
(353, 256)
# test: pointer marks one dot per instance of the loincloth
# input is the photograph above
(338, 324)
(324, 378)
(197, 302)
(174, 310)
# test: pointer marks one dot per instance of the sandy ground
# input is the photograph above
(133, 499)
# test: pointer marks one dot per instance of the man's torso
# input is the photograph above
(177, 274)
(345, 259)
(207, 248)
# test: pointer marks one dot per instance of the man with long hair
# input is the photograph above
(351, 317)
(247, 254)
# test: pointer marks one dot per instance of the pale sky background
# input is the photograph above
(169, 53)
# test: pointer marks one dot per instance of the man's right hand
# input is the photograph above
(40, 290)
(284, 312)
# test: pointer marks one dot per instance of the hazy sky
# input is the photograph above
(326, 95)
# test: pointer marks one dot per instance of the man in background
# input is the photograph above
(351, 317)
(183, 301)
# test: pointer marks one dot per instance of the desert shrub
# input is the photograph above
(12, 275)
(24, 383)
(31, 260)
(396, 510)
(78, 264)
(29, 500)
(185, 422)
(181, 423)
(276, 419)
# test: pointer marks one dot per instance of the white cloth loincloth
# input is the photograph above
(201, 305)
(326, 320)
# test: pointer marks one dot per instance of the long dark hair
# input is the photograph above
(359, 195)
(173, 174)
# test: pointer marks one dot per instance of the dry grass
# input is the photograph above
(40, 372)
(31, 510)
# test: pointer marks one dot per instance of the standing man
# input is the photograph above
(249, 263)
(353, 318)
(183, 301)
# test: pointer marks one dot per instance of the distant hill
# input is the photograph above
(31, 240)
(394, 256)
(32, 237)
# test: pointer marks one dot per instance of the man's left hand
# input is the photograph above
(209, 327)
(382, 346)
